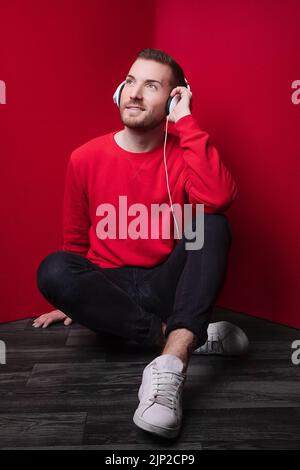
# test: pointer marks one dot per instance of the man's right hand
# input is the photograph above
(52, 317)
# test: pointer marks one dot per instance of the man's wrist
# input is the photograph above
(183, 115)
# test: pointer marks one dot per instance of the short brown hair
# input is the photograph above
(164, 58)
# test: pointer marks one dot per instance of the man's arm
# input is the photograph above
(76, 220)
(206, 179)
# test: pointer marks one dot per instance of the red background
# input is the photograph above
(61, 62)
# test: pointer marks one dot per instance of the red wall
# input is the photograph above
(241, 59)
(62, 60)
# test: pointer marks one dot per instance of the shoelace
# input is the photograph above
(213, 345)
(166, 387)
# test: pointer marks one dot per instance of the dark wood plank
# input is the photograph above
(85, 374)
(70, 388)
(19, 325)
(240, 426)
(39, 429)
(72, 399)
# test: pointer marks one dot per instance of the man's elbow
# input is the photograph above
(227, 197)
(222, 201)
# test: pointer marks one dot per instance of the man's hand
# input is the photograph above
(183, 107)
(52, 317)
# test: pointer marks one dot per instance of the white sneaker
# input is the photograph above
(160, 395)
(224, 339)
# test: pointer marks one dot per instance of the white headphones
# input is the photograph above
(170, 105)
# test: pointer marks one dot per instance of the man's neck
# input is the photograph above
(140, 140)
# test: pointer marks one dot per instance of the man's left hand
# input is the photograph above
(183, 107)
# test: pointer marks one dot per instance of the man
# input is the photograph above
(148, 289)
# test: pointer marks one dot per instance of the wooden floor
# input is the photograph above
(63, 387)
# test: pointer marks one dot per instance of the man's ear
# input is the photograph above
(172, 86)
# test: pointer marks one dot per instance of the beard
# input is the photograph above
(144, 120)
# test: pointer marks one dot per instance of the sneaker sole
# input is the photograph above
(163, 432)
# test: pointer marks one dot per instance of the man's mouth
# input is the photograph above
(135, 108)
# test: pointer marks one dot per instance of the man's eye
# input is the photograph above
(128, 80)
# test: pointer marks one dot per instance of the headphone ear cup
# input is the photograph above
(117, 94)
(168, 105)
(171, 103)
(173, 100)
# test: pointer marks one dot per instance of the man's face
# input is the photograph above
(149, 96)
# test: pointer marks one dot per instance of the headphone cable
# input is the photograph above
(167, 178)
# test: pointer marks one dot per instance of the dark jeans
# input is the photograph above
(132, 301)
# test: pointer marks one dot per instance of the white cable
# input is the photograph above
(167, 178)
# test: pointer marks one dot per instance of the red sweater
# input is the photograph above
(100, 171)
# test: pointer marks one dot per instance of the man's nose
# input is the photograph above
(136, 92)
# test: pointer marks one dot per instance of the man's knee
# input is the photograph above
(212, 232)
(52, 270)
(217, 227)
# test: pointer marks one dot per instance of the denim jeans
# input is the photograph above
(132, 301)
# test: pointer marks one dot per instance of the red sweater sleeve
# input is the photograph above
(76, 221)
(206, 179)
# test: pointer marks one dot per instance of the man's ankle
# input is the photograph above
(181, 343)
